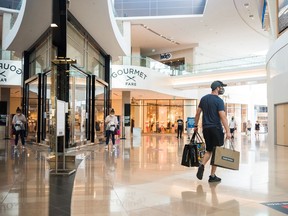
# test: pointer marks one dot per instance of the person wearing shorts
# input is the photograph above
(213, 117)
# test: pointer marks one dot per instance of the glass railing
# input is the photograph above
(8, 55)
(13, 8)
(119, 22)
(144, 62)
(229, 64)
(238, 63)
(14, 5)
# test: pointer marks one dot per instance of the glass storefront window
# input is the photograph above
(99, 108)
(48, 106)
(32, 116)
(40, 59)
(78, 113)
(75, 45)
(160, 116)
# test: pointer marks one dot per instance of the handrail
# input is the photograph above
(229, 64)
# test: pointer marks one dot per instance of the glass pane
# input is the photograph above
(99, 109)
(78, 102)
(75, 45)
(48, 107)
(32, 110)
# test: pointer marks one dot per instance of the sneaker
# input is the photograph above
(214, 179)
(114, 147)
(106, 147)
(200, 172)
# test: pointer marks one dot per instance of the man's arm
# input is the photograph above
(197, 117)
(225, 123)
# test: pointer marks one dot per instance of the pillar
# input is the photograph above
(126, 115)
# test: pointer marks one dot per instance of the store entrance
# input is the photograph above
(40, 113)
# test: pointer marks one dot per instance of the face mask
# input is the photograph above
(221, 91)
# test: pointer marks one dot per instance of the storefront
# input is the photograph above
(81, 81)
(161, 115)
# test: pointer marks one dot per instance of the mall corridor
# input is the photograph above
(144, 177)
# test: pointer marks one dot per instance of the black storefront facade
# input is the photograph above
(66, 64)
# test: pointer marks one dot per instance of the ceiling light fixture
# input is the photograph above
(160, 35)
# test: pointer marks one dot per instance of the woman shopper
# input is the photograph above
(111, 123)
(18, 122)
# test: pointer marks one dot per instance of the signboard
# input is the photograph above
(60, 118)
(136, 77)
(10, 72)
(190, 122)
(279, 206)
(165, 56)
(126, 121)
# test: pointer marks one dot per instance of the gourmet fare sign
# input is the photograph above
(10, 72)
(137, 77)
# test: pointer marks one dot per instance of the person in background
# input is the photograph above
(180, 126)
(257, 129)
(249, 126)
(232, 126)
(111, 123)
(212, 107)
(19, 120)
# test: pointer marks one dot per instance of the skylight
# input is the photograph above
(136, 8)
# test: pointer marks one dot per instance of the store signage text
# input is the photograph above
(130, 74)
(165, 56)
(8, 68)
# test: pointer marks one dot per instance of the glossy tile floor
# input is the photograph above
(143, 177)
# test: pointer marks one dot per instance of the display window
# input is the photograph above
(160, 116)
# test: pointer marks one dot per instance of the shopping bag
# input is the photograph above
(190, 156)
(197, 140)
(227, 158)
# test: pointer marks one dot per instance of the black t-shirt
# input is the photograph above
(180, 123)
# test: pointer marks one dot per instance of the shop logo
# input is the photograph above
(6, 68)
(130, 78)
(165, 56)
(131, 75)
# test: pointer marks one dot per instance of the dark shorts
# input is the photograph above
(213, 137)
(232, 130)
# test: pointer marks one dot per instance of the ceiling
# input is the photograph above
(228, 29)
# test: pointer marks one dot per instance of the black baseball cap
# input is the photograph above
(216, 84)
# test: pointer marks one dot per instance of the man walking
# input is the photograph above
(212, 107)
(180, 126)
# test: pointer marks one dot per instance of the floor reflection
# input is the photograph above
(142, 178)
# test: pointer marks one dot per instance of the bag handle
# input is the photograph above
(231, 145)
(195, 136)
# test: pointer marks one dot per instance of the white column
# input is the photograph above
(5, 30)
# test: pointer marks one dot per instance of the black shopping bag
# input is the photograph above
(226, 158)
(201, 147)
(190, 156)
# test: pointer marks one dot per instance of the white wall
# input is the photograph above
(277, 79)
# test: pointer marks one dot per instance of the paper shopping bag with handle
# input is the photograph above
(227, 158)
